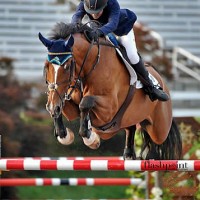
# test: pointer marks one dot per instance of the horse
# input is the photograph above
(88, 80)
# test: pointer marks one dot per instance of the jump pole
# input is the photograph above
(101, 165)
(68, 158)
(70, 181)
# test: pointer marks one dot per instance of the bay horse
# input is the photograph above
(90, 81)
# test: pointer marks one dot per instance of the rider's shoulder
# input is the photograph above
(114, 3)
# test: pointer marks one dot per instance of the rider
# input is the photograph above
(120, 22)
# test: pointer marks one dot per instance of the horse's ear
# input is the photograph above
(45, 41)
(69, 43)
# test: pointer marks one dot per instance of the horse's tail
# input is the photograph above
(171, 149)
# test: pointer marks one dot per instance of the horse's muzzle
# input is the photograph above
(55, 112)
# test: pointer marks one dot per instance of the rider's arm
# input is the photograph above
(79, 14)
(113, 20)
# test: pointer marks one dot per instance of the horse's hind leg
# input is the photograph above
(90, 138)
(129, 151)
(169, 148)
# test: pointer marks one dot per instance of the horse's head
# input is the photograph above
(59, 69)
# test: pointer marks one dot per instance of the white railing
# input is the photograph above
(179, 65)
(179, 96)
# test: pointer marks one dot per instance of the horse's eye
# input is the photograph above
(66, 66)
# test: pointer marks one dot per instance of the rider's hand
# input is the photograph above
(94, 35)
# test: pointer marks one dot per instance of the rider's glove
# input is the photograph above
(94, 35)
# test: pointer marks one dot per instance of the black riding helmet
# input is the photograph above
(94, 6)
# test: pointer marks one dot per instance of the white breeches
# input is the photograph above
(128, 41)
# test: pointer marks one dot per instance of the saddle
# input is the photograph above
(121, 52)
(123, 55)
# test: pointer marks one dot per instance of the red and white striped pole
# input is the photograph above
(68, 158)
(69, 181)
(101, 165)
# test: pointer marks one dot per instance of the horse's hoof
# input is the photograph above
(129, 154)
(93, 142)
(129, 157)
(68, 139)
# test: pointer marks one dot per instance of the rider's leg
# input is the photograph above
(128, 41)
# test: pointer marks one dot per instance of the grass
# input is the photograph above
(197, 119)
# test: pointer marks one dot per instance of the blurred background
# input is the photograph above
(167, 35)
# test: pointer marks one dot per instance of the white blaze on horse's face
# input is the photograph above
(56, 68)
(50, 104)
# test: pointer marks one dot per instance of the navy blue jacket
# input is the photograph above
(113, 19)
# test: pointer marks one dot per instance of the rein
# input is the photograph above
(79, 79)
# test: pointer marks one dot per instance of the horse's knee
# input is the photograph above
(87, 103)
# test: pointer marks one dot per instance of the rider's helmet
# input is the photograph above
(94, 6)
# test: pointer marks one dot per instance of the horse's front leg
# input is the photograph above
(65, 137)
(129, 151)
(90, 138)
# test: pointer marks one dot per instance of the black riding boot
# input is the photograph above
(153, 91)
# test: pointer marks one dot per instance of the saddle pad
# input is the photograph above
(133, 75)
(139, 84)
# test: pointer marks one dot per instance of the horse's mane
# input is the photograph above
(62, 30)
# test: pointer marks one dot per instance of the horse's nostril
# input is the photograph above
(57, 110)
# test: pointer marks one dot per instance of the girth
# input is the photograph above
(116, 121)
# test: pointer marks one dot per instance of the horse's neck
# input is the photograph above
(109, 68)
(85, 55)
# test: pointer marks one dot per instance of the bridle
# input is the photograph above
(72, 82)
(54, 86)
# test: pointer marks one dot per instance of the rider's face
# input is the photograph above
(97, 15)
